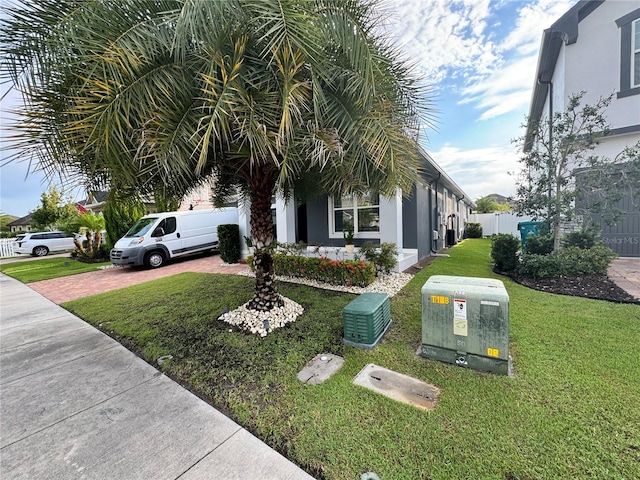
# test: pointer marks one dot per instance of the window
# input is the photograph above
(629, 26)
(363, 212)
(167, 226)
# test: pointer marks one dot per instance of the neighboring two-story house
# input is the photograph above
(595, 47)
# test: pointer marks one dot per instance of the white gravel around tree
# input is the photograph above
(262, 323)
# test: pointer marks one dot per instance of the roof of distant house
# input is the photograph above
(27, 220)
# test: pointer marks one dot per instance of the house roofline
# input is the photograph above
(564, 30)
(432, 172)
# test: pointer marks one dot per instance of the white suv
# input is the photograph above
(40, 244)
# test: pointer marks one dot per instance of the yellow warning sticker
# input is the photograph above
(493, 352)
(441, 299)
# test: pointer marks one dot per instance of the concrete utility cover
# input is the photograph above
(397, 386)
(320, 368)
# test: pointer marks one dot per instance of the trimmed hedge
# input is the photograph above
(473, 230)
(504, 251)
(540, 244)
(323, 269)
(569, 262)
(229, 242)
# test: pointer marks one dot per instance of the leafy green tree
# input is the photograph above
(88, 224)
(54, 209)
(546, 186)
(489, 205)
(4, 220)
(121, 211)
(263, 95)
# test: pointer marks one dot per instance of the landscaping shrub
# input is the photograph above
(99, 255)
(121, 211)
(323, 269)
(229, 242)
(292, 248)
(383, 256)
(540, 244)
(473, 230)
(581, 239)
(504, 252)
(569, 262)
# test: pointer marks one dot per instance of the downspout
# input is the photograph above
(434, 240)
(549, 83)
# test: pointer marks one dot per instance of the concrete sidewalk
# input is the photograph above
(625, 272)
(75, 403)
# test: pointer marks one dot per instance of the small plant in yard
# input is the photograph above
(348, 233)
(292, 248)
(540, 244)
(504, 251)
(583, 238)
(229, 242)
(383, 256)
(473, 230)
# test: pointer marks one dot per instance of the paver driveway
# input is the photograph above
(72, 287)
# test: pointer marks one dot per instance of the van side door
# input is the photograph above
(167, 234)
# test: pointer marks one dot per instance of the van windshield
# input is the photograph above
(141, 227)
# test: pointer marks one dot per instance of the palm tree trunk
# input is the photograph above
(97, 240)
(90, 242)
(266, 295)
(78, 245)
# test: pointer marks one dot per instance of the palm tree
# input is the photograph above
(265, 96)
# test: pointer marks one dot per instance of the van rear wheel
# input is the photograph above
(154, 259)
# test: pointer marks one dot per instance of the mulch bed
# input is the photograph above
(599, 287)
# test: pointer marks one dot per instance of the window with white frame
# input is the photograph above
(363, 212)
(629, 26)
(635, 54)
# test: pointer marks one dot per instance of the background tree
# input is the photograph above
(488, 205)
(5, 219)
(265, 95)
(54, 209)
(91, 226)
(546, 186)
(121, 211)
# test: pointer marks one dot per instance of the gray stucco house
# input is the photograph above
(432, 216)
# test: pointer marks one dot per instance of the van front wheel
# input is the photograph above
(154, 259)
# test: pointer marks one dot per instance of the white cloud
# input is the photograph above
(454, 39)
(480, 171)
(445, 37)
(532, 19)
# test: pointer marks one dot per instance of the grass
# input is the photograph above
(570, 411)
(47, 268)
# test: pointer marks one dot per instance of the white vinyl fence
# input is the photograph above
(498, 222)
(7, 247)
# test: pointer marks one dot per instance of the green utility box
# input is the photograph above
(526, 229)
(366, 319)
(465, 321)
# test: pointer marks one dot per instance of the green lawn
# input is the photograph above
(571, 411)
(47, 268)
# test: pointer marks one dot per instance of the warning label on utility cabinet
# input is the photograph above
(460, 317)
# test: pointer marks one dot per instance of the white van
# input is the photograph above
(158, 237)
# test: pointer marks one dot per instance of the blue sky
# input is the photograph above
(478, 56)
